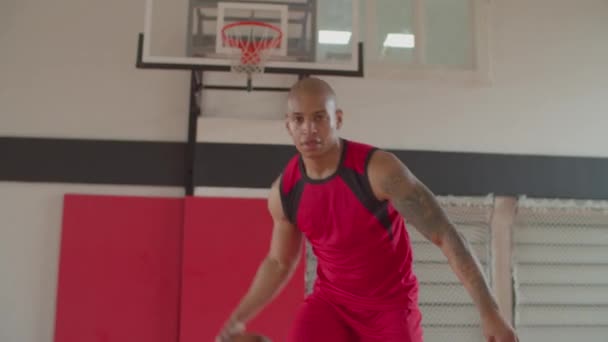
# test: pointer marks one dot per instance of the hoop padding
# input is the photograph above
(250, 52)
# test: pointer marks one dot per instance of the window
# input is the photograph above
(391, 26)
(425, 37)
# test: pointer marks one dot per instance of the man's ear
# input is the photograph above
(287, 122)
(339, 115)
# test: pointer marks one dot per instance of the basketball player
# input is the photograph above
(351, 201)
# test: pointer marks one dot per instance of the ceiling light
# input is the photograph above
(334, 37)
(399, 40)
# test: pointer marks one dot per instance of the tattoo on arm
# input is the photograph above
(469, 271)
(418, 205)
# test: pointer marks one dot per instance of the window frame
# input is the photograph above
(418, 69)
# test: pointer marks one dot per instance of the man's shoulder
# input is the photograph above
(359, 144)
(384, 159)
(290, 174)
(362, 155)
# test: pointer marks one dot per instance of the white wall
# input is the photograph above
(547, 94)
(67, 69)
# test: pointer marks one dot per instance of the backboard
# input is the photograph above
(316, 37)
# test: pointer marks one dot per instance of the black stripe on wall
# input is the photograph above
(534, 176)
(446, 173)
(257, 165)
(92, 161)
(239, 165)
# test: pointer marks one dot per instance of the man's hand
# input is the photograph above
(230, 329)
(272, 274)
(496, 329)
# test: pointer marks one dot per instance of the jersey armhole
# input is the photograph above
(284, 199)
(287, 203)
(368, 183)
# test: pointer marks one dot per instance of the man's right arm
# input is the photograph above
(276, 268)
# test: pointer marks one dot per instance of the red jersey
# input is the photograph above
(362, 246)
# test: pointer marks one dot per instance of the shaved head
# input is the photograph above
(312, 87)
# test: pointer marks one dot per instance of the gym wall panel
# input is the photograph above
(119, 269)
(30, 231)
(225, 240)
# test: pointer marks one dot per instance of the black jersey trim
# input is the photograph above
(291, 200)
(340, 166)
(361, 187)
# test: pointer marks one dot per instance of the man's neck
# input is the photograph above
(324, 166)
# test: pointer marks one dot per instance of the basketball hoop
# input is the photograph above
(252, 43)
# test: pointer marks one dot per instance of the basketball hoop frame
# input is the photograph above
(248, 53)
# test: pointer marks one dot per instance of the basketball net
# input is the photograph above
(252, 43)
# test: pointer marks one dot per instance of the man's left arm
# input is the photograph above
(391, 180)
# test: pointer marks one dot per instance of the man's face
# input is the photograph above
(312, 123)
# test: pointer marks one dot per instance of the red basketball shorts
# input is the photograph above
(319, 320)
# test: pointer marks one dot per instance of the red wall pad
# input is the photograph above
(225, 241)
(119, 269)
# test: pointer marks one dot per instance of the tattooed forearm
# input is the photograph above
(468, 269)
(419, 206)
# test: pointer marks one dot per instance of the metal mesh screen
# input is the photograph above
(448, 311)
(560, 270)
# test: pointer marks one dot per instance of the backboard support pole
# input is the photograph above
(196, 87)
(249, 83)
